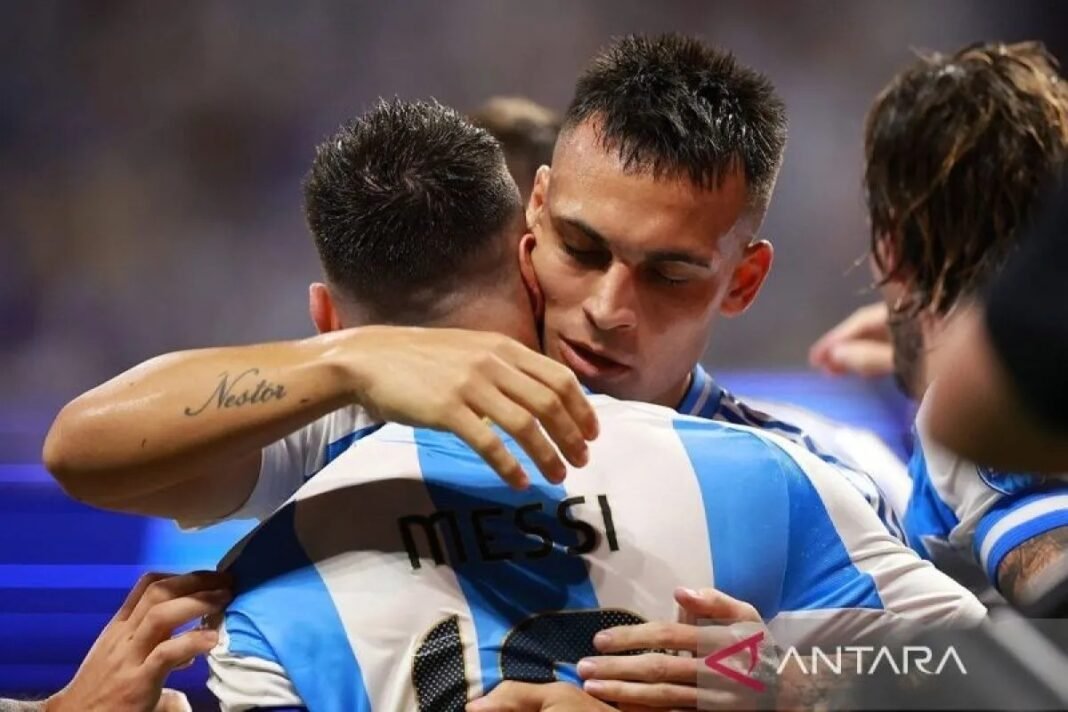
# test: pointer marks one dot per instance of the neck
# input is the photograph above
(672, 397)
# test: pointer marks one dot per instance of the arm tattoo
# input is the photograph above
(821, 690)
(227, 395)
(1024, 562)
(21, 706)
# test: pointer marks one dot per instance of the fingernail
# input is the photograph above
(586, 668)
(602, 639)
(476, 705)
(688, 592)
(593, 686)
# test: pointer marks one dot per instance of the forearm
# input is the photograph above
(196, 412)
(1023, 565)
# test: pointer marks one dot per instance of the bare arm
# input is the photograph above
(184, 431)
(180, 435)
(1022, 565)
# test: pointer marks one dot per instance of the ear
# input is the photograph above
(322, 309)
(748, 278)
(538, 195)
(530, 277)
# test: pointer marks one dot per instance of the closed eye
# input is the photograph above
(590, 258)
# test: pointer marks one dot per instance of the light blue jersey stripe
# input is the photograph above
(295, 621)
(501, 594)
(705, 399)
(739, 472)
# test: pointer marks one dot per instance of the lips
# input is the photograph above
(588, 363)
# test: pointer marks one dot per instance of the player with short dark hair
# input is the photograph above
(645, 230)
(404, 575)
(671, 224)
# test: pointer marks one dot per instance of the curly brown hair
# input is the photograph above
(959, 150)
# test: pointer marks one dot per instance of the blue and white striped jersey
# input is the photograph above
(405, 575)
(861, 457)
(959, 508)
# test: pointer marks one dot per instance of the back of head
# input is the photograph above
(677, 108)
(959, 150)
(527, 132)
(411, 207)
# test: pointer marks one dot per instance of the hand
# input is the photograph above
(527, 697)
(859, 345)
(660, 680)
(456, 380)
(125, 669)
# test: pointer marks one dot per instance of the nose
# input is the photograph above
(612, 305)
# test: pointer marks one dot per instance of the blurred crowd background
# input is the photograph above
(151, 154)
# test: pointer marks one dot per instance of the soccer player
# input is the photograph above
(405, 575)
(960, 149)
(671, 181)
(527, 132)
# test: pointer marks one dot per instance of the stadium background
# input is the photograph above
(150, 165)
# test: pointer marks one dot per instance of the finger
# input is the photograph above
(547, 407)
(648, 667)
(523, 426)
(173, 701)
(864, 358)
(510, 697)
(561, 381)
(480, 437)
(171, 653)
(711, 604)
(867, 323)
(176, 587)
(136, 592)
(647, 636)
(657, 695)
(159, 623)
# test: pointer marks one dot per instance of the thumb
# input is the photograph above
(863, 358)
(715, 605)
(173, 701)
(508, 697)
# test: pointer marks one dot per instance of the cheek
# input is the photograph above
(678, 332)
(562, 285)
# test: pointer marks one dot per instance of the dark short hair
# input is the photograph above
(959, 150)
(677, 107)
(406, 205)
(526, 130)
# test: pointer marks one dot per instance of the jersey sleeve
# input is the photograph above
(241, 681)
(290, 462)
(985, 513)
(846, 577)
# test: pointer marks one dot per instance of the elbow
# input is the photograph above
(61, 455)
(58, 455)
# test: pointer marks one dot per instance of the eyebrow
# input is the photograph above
(653, 255)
